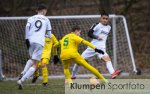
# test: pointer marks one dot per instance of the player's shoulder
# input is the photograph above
(109, 27)
(94, 25)
(106, 26)
(75, 37)
(40, 17)
(31, 18)
(53, 36)
(43, 17)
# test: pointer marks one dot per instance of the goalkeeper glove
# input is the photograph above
(99, 51)
(55, 59)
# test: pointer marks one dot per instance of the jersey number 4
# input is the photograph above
(38, 25)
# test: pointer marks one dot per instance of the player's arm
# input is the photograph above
(91, 31)
(55, 47)
(92, 46)
(81, 40)
(27, 31)
(48, 29)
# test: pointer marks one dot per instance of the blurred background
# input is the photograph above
(136, 12)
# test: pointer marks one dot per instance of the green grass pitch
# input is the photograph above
(11, 87)
(55, 86)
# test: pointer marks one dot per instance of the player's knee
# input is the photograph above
(43, 66)
(106, 58)
(35, 65)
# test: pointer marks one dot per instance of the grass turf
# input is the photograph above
(11, 87)
(54, 87)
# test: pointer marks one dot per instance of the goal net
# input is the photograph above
(15, 53)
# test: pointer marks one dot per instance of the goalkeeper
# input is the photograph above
(46, 54)
(69, 53)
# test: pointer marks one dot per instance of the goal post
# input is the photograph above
(1, 67)
(15, 52)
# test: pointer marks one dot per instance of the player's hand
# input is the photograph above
(55, 59)
(99, 51)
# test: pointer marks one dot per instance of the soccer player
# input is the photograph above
(46, 54)
(36, 28)
(69, 53)
(99, 33)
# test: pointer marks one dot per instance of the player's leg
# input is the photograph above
(35, 51)
(109, 65)
(36, 73)
(26, 68)
(74, 71)
(66, 64)
(45, 71)
(42, 65)
(81, 61)
(87, 54)
(27, 74)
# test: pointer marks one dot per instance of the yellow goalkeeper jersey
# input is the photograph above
(49, 43)
(69, 46)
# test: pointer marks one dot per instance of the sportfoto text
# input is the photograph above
(109, 86)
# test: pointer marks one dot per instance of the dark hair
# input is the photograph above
(104, 14)
(41, 7)
(76, 27)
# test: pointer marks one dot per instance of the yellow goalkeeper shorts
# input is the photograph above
(43, 61)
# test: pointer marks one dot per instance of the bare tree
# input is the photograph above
(105, 5)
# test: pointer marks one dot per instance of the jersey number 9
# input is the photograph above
(38, 25)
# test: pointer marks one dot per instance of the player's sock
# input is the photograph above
(36, 73)
(28, 73)
(110, 67)
(35, 77)
(45, 75)
(74, 70)
(27, 66)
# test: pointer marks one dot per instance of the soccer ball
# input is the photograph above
(94, 81)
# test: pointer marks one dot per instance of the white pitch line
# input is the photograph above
(33, 84)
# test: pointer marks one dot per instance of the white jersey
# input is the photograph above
(36, 28)
(102, 31)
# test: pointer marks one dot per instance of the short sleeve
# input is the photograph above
(54, 39)
(109, 27)
(49, 28)
(95, 28)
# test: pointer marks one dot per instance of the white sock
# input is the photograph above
(27, 66)
(28, 73)
(74, 70)
(110, 67)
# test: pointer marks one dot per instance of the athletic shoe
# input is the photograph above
(115, 74)
(34, 79)
(73, 77)
(45, 84)
(19, 82)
